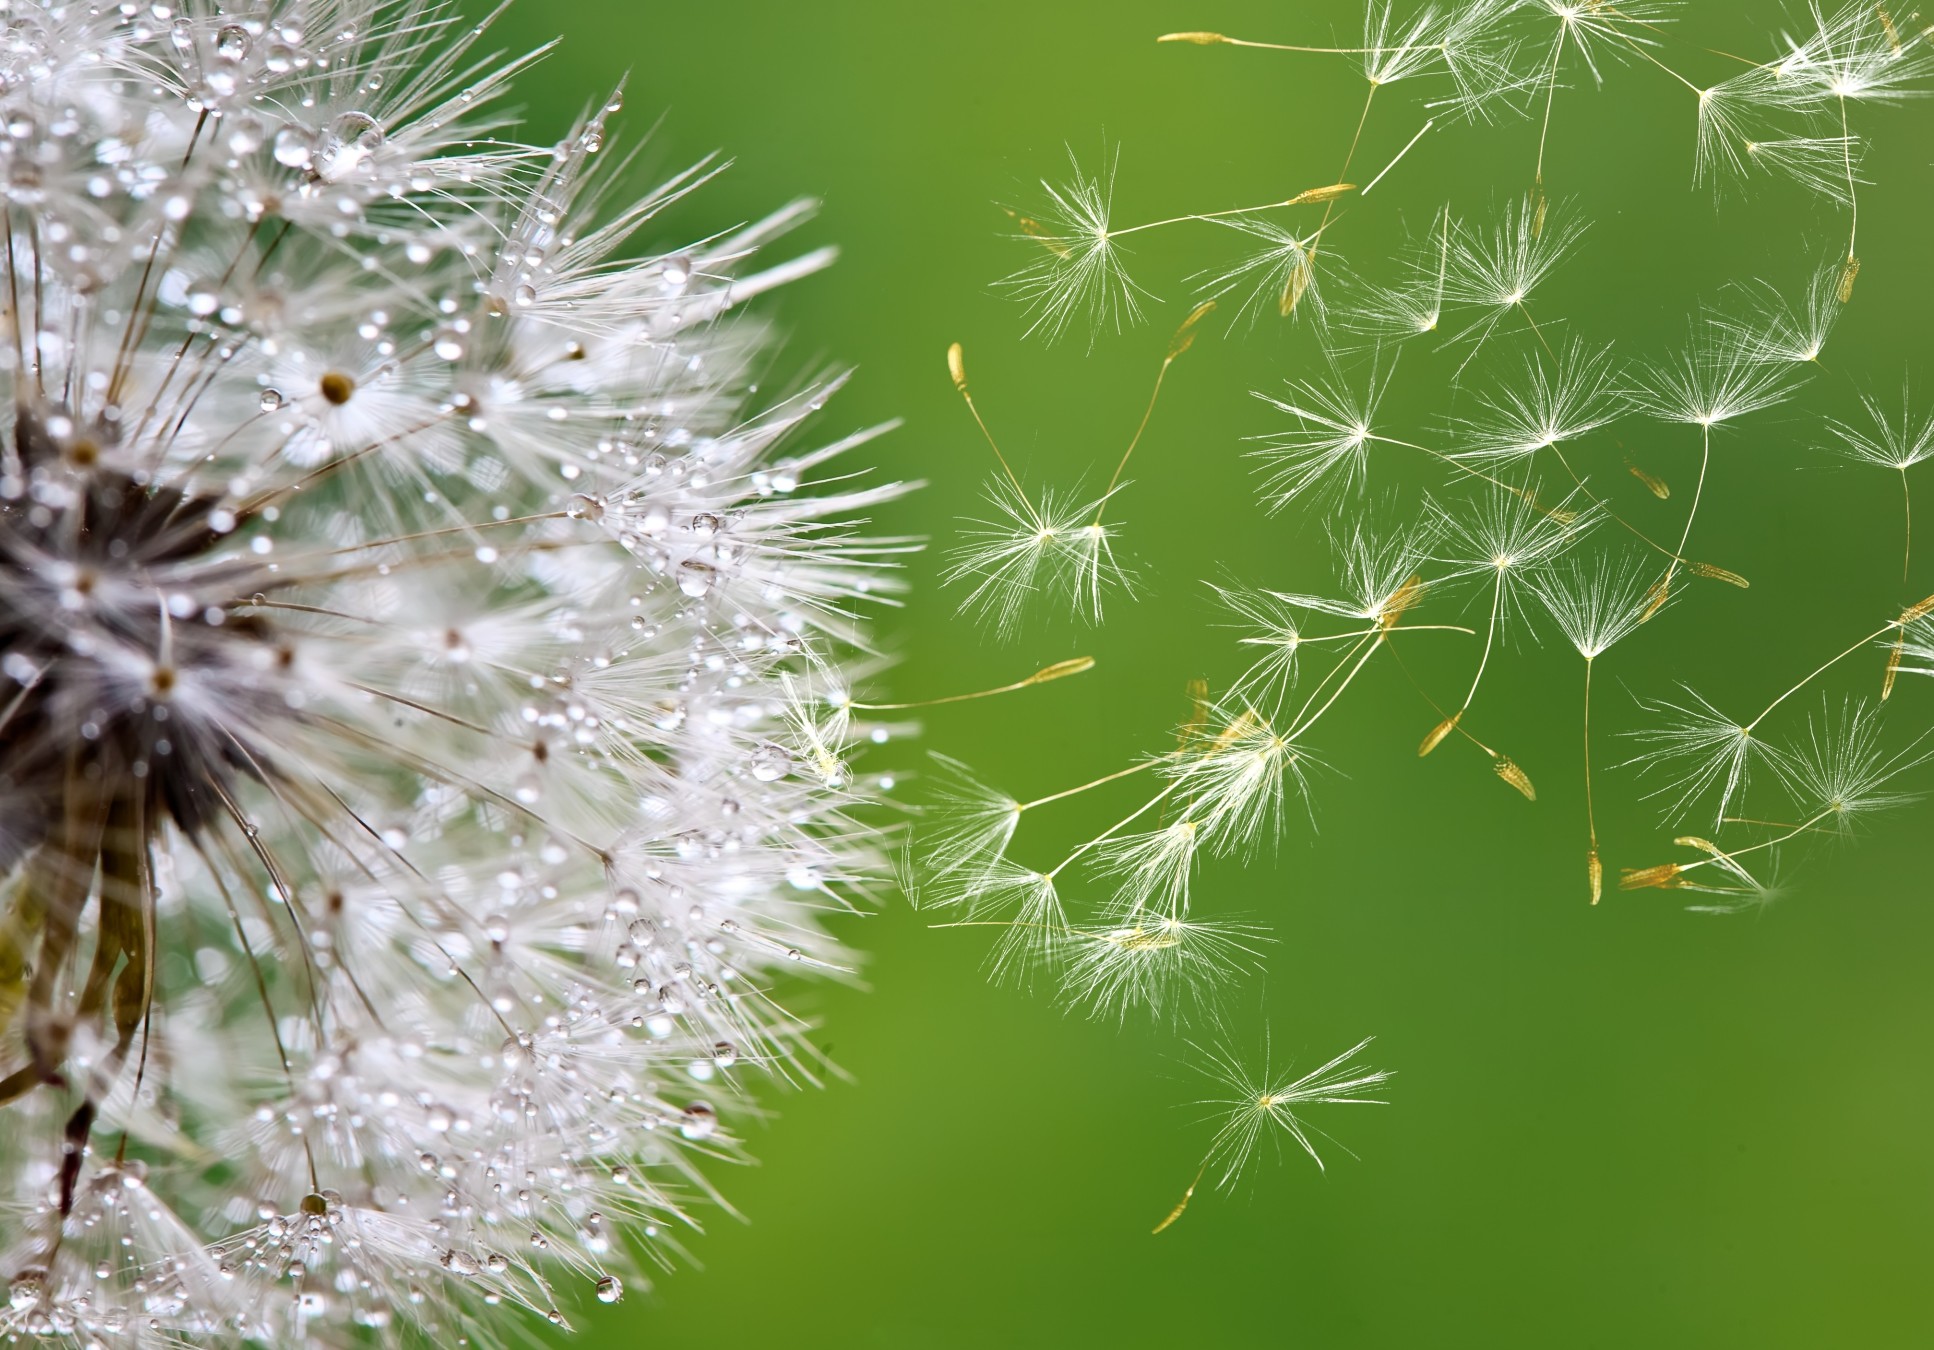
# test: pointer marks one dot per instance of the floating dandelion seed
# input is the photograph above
(1255, 1104)
(1595, 604)
(410, 765)
(1890, 442)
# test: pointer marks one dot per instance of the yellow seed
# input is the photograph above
(1508, 770)
(1074, 665)
(1660, 593)
(1664, 877)
(1407, 596)
(957, 367)
(1185, 335)
(1040, 234)
(1438, 732)
(1716, 573)
(1893, 668)
(1887, 26)
(1299, 278)
(1847, 276)
(1653, 484)
(1703, 845)
(1920, 609)
(1538, 220)
(1596, 871)
(1329, 192)
(1199, 39)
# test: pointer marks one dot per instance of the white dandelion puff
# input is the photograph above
(416, 768)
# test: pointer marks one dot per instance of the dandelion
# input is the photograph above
(1780, 331)
(1330, 442)
(1695, 749)
(1595, 604)
(1556, 401)
(1258, 1103)
(1511, 539)
(1496, 273)
(1076, 271)
(1711, 382)
(411, 770)
(1153, 961)
(1047, 547)
(1838, 776)
(1890, 442)
(1415, 305)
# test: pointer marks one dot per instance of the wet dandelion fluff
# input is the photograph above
(402, 592)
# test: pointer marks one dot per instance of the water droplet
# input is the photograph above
(725, 1054)
(27, 1287)
(770, 762)
(700, 1122)
(696, 578)
(497, 928)
(583, 506)
(460, 1263)
(293, 148)
(271, 400)
(677, 270)
(231, 42)
(610, 1289)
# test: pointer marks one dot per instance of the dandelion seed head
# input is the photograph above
(422, 730)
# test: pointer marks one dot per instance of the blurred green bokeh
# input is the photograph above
(1619, 1126)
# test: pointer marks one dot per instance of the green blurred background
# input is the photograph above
(1619, 1126)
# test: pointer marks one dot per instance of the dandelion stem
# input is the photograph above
(1059, 670)
(1094, 783)
(1824, 667)
(1111, 831)
(1184, 339)
(1221, 39)
(1698, 491)
(1490, 635)
(1551, 95)
(957, 367)
(1594, 868)
(1428, 124)
(1303, 724)
(1907, 507)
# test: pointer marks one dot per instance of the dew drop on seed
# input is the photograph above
(271, 400)
(610, 1289)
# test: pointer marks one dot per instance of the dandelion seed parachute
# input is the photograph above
(404, 810)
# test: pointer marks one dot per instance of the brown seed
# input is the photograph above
(1847, 276)
(957, 367)
(1199, 39)
(1596, 871)
(336, 387)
